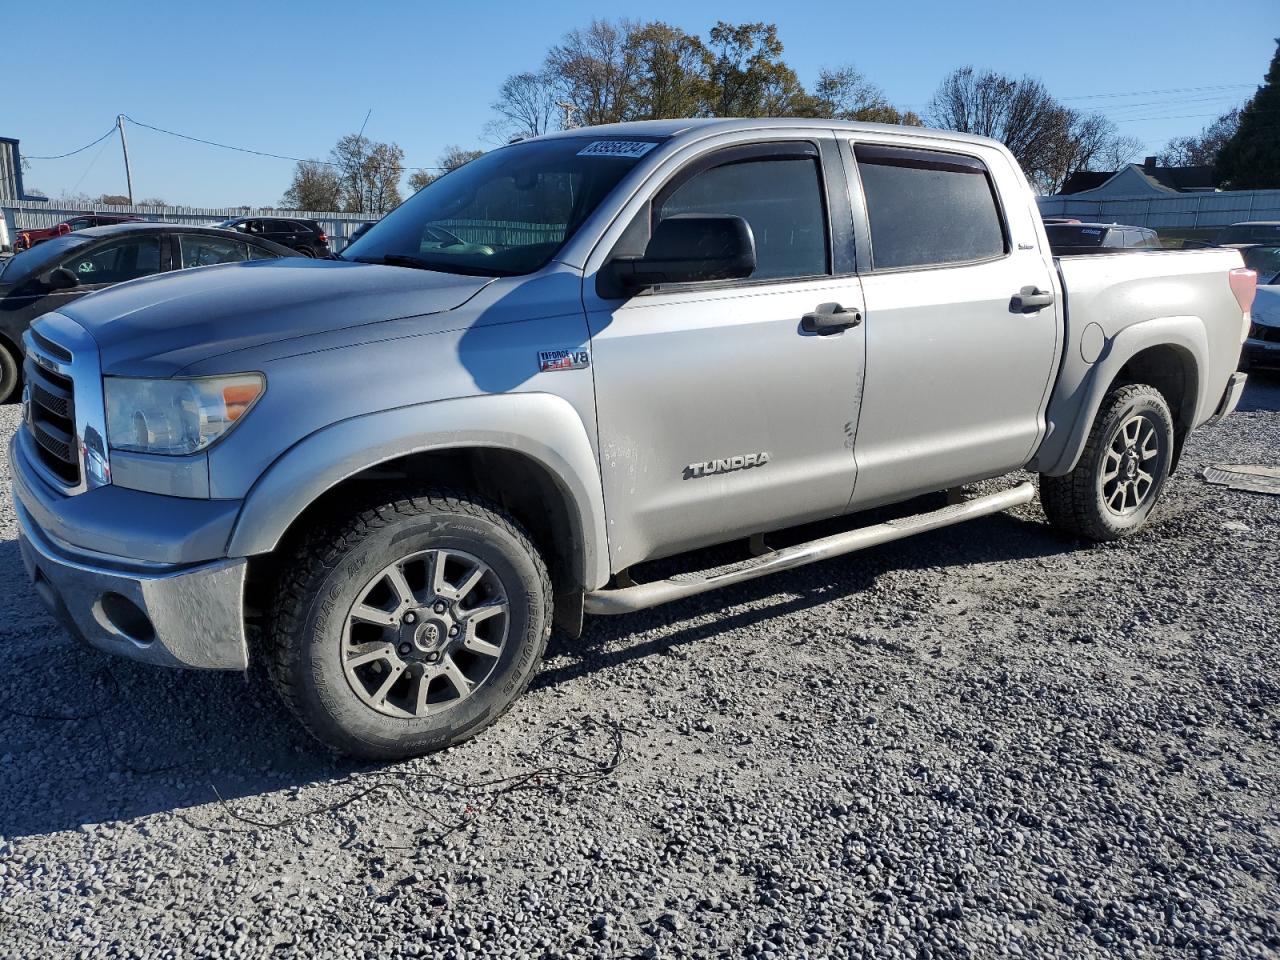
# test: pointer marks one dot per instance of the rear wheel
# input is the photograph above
(410, 626)
(10, 373)
(1122, 471)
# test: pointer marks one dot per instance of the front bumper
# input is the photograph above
(173, 602)
(159, 614)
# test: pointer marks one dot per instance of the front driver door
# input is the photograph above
(719, 414)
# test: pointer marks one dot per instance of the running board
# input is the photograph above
(628, 599)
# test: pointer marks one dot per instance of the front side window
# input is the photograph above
(780, 197)
(928, 208)
(258, 253)
(201, 251)
(118, 261)
(504, 213)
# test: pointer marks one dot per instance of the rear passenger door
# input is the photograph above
(958, 369)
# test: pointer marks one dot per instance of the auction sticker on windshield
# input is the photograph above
(617, 148)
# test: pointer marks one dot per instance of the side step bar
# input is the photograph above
(628, 599)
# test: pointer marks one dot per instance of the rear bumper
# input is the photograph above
(1230, 397)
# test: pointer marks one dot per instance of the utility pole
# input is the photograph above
(124, 145)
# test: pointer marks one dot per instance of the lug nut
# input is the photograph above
(453, 631)
(439, 607)
(433, 657)
(404, 648)
(410, 617)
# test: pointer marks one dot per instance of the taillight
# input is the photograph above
(323, 237)
(63, 229)
(1244, 284)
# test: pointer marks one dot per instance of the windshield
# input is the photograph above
(1266, 261)
(42, 255)
(1073, 235)
(504, 213)
(1251, 233)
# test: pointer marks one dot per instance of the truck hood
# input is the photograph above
(157, 326)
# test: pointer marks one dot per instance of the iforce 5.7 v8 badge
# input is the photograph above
(575, 359)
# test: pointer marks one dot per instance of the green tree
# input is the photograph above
(671, 71)
(1250, 159)
(747, 75)
(315, 186)
(369, 173)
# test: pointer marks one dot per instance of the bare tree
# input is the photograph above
(1202, 150)
(1049, 141)
(315, 186)
(595, 71)
(526, 105)
(384, 170)
(845, 93)
(452, 158)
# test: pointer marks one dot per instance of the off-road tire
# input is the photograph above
(322, 579)
(10, 374)
(1075, 504)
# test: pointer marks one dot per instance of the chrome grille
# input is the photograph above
(64, 423)
(51, 418)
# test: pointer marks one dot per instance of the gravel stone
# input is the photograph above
(981, 742)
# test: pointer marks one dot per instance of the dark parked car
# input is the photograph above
(305, 236)
(1250, 232)
(1262, 349)
(29, 238)
(60, 270)
(1074, 238)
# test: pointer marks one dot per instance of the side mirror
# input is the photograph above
(689, 248)
(60, 278)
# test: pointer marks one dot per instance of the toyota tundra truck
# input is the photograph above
(386, 476)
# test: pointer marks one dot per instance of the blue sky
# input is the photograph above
(292, 78)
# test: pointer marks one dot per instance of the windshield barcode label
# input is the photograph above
(617, 148)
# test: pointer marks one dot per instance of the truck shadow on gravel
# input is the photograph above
(88, 738)
(605, 640)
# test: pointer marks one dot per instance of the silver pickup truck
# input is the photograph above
(388, 474)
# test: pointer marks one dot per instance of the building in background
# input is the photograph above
(1138, 180)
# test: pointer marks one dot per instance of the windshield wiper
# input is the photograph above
(440, 266)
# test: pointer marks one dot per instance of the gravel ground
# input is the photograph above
(982, 742)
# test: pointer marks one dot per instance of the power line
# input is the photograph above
(60, 156)
(257, 153)
(1145, 93)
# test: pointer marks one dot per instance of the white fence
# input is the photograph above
(1185, 211)
(24, 215)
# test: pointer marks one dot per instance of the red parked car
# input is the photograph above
(29, 238)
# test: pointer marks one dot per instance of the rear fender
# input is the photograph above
(1075, 402)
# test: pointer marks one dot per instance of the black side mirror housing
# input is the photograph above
(60, 278)
(688, 248)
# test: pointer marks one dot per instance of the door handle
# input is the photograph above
(1030, 300)
(830, 318)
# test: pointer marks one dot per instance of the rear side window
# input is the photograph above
(205, 251)
(928, 208)
(116, 262)
(781, 198)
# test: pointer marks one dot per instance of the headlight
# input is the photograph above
(176, 417)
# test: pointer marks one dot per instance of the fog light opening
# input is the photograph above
(120, 615)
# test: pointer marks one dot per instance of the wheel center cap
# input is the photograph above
(1130, 465)
(429, 636)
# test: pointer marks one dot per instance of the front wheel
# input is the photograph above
(1115, 485)
(411, 625)
(10, 374)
